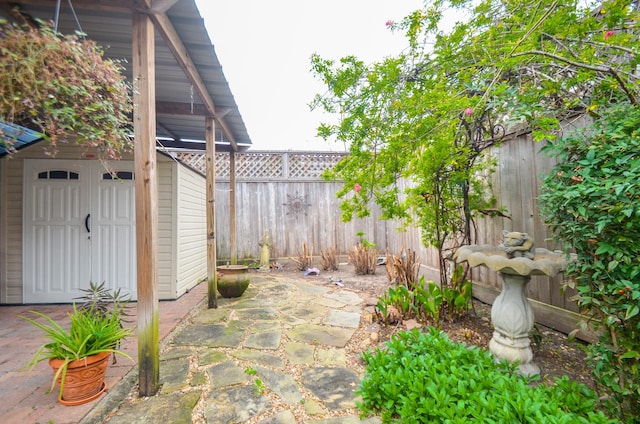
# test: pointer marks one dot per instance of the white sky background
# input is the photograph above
(265, 49)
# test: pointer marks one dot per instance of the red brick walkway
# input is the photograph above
(24, 397)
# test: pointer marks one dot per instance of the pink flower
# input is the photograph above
(357, 188)
(468, 111)
(608, 34)
(389, 23)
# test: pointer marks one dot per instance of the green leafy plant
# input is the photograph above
(94, 328)
(259, 385)
(63, 86)
(424, 301)
(591, 200)
(423, 377)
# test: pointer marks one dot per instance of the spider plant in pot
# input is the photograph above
(79, 353)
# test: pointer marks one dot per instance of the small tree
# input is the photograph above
(62, 86)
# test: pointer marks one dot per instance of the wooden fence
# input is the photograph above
(283, 195)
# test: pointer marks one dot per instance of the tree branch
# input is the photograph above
(595, 68)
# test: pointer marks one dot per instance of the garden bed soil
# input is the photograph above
(553, 352)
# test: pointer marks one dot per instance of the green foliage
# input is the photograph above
(425, 378)
(62, 86)
(260, 387)
(424, 302)
(592, 201)
(93, 329)
(416, 125)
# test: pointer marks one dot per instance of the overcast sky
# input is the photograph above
(265, 48)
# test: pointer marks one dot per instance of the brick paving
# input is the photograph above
(24, 395)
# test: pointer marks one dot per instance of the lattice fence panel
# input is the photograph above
(311, 165)
(195, 160)
(223, 167)
(265, 166)
(259, 165)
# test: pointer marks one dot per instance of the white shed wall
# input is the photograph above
(191, 226)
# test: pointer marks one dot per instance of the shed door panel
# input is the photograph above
(113, 228)
(56, 243)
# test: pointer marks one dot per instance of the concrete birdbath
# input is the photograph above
(516, 260)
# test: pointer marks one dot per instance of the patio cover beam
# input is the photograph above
(171, 37)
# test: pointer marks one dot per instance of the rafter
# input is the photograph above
(167, 31)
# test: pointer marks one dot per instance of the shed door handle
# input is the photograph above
(86, 223)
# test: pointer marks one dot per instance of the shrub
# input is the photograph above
(423, 377)
(591, 200)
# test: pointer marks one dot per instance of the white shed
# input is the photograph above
(70, 220)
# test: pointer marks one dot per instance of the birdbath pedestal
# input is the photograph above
(511, 313)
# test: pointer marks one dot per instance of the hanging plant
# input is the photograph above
(63, 87)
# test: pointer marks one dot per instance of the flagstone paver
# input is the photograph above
(176, 408)
(282, 417)
(281, 345)
(269, 340)
(267, 359)
(320, 334)
(343, 319)
(282, 384)
(346, 297)
(335, 386)
(299, 353)
(174, 375)
(235, 404)
(210, 335)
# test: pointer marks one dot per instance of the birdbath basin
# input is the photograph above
(511, 313)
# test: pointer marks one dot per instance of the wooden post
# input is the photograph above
(212, 280)
(232, 207)
(146, 186)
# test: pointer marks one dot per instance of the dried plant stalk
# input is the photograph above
(329, 259)
(402, 269)
(364, 259)
(304, 260)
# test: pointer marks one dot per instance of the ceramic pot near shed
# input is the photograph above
(233, 280)
(84, 379)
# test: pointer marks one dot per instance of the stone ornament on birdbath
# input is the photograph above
(265, 244)
(516, 260)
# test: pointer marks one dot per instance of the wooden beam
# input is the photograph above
(179, 51)
(146, 186)
(173, 135)
(178, 108)
(233, 245)
(161, 6)
(212, 280)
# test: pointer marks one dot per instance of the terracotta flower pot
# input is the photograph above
(233, 280)
(84, 380)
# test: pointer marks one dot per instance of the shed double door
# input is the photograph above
(79, 226)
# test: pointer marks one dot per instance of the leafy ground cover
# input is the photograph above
(554, 353)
